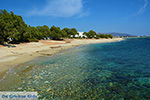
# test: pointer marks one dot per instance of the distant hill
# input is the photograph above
(119, 34)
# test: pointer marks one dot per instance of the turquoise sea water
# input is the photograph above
(108, 71)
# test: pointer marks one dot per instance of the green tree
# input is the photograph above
(11, 26)
(20, 28)
(90, 34)
(56, 33)
(32, 34)
(71, 33)
(66, 31)
(64, 34)
(45, 31)
(6, 25)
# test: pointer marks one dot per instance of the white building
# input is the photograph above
(80, 35)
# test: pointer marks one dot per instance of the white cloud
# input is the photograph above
(142, 9)
(60, 8)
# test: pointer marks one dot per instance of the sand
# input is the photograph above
(11, 57)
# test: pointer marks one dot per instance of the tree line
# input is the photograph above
(13, 29)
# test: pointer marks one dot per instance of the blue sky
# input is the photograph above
(127, 16)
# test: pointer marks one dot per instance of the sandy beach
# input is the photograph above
(11, 57)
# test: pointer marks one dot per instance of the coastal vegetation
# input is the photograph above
(13, 29)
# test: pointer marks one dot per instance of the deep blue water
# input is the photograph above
(116, 71)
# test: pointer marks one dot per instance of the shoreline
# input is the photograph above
(11, 57)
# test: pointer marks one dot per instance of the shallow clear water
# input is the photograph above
(118, 71)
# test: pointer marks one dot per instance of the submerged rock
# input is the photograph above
(46, 82)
